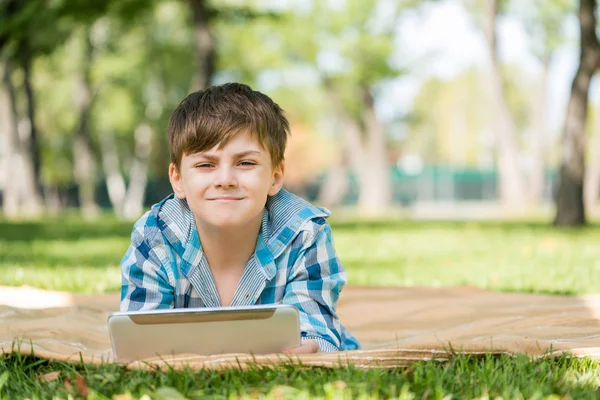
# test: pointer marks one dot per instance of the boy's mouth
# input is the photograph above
(226, 198)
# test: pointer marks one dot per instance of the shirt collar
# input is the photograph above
(283, 218)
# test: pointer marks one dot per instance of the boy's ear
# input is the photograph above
(175, 179)
(277, 179)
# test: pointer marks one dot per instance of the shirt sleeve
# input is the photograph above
(314, 285)
(144, 278)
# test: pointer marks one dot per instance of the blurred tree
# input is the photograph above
(592, 171)
(449, 121)
(354, 49)
(21, 40)
(207, 17)
(84, 155)
(202, 14)
(350, 44)
(570, 207)
(143, 69)
(544, 20)
(512, 186)
(90, 25)
(14, 151)
(31, 30)
(57, 113)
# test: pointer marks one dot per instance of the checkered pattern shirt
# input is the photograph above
(294, 263)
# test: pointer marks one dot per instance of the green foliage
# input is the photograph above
(27, 26)
(53, 80)
(141, 68)
(544, 20)
(438, 107)
(44, 25)
(143, 61)
(518, 90)
(249, 44)
(351, 47)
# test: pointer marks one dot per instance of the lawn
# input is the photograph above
(533, 257)
(463, 377)
(73, 255)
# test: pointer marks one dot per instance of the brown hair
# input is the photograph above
(211, 117)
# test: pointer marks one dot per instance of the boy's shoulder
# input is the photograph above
(169, 219)
(288, 211)
(290, 215)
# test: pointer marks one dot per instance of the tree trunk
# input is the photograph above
(335, 186)
(22, 185)
(11, 161)
(353, 147)
(28, 134)
(570, 208)
(52, 200)
(366, 152)
(538, 140)
(33, 140)
(83, 154)
(511, 183)
(333, 190)
(592, 173)
(127, 201)
(138, 176)
(115, 183)
(205, 44)
(375, 187)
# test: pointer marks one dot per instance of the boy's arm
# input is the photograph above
(144, 279)
(316, 279)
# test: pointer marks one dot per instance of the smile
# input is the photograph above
(226, 199)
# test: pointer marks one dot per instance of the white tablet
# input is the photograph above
(260, 329)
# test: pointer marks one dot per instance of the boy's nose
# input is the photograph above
(225, 177)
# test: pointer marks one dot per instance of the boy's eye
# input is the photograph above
(203, 165)
(247, 163)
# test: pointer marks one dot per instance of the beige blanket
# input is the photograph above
(396, 326)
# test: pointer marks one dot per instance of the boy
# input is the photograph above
(230, 235)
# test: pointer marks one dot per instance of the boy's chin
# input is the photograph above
(226, 222)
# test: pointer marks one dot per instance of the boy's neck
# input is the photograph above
(229, 249)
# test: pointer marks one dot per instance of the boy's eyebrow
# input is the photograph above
(237, 155)
(247, 153)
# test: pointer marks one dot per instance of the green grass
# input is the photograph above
(81, 257)
(462, 377)
(77, 256)
(507, 257)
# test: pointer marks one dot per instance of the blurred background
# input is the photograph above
(446, 109)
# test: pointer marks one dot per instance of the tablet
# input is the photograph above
(260, 329)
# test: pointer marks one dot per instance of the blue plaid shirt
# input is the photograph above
(294, 263)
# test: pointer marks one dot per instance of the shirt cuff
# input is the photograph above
(324, 345)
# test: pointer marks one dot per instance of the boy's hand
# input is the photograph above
(307, 347)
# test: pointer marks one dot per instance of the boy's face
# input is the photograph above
(228, 187)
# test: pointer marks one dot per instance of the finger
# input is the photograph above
(314, 346)
(295, 350)
(308, 346)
